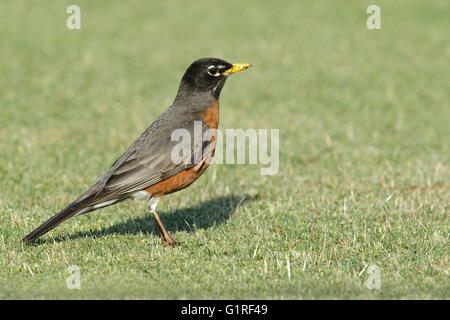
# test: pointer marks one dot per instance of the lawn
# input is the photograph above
(363, 177)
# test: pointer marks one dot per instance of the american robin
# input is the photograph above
(147, 169)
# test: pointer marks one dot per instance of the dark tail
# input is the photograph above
(60, 217)
(82, 205)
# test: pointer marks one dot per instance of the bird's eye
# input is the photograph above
(213, 71)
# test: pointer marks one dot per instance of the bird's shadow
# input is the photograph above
(202, 216)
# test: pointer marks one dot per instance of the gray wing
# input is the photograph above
(147, 161)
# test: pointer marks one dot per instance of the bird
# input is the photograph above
(148, 168)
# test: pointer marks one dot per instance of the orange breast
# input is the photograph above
(185, 178)
(211, 115)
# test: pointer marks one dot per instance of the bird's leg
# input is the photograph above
(165, 236)
(167, 240)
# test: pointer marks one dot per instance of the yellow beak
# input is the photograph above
(236, 67)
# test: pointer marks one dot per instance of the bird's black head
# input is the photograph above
(207, 76)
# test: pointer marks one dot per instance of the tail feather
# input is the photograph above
(80, 206)
(60, 217)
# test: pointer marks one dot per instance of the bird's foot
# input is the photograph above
(169, 241)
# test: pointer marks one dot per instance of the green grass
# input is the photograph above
(363, 117)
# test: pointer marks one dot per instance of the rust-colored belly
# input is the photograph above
(185, 178)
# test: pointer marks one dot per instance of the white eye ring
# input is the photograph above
(213, 71)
